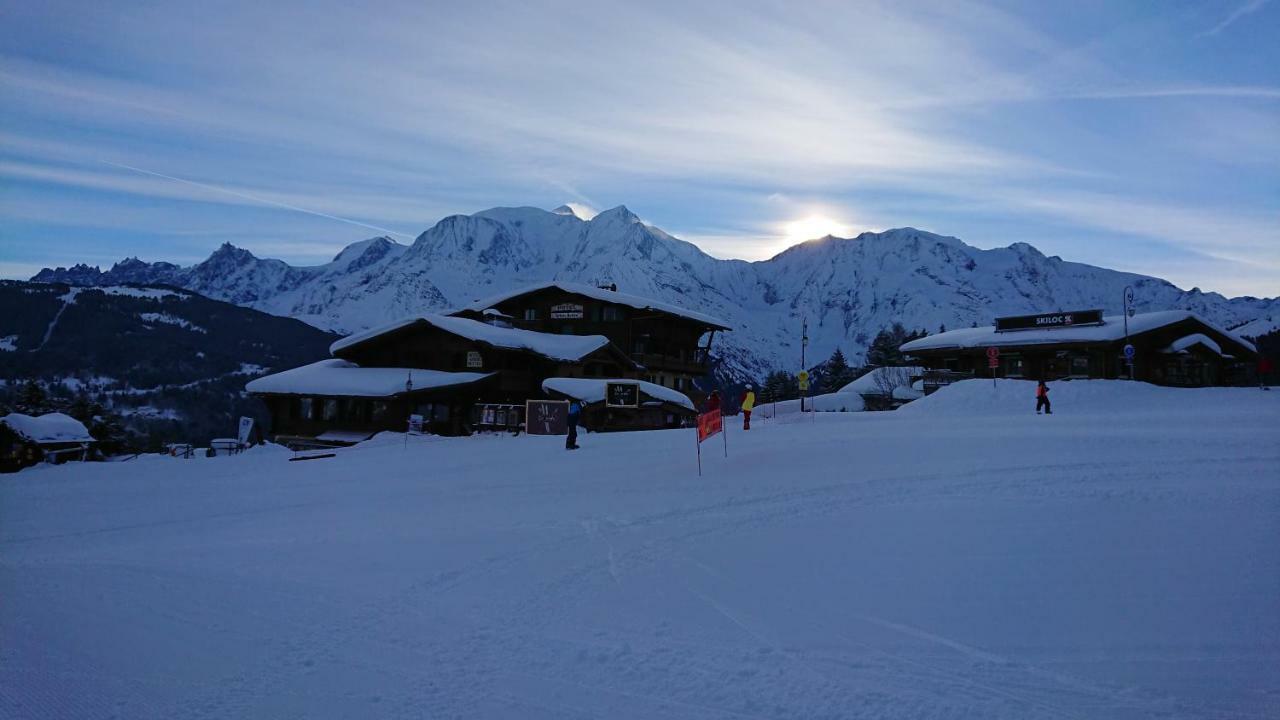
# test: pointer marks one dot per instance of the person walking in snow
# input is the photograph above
(575, 412)
(713, 401)
(748, 402)
(1042, 398)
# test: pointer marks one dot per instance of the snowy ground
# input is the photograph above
(960, 558)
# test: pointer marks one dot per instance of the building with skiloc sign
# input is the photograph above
(1173, 347)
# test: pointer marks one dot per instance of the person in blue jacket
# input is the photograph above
(575, 412)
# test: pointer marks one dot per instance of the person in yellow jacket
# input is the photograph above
(748, 403)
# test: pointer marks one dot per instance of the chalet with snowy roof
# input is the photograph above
(442, 369)
(53, 437)
(1172, 347)
(670, 344)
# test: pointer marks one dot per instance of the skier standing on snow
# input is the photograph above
(575, 411)
(1042, 398)
(748, 402)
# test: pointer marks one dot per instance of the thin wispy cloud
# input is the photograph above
(340, 121)
(1248, 8)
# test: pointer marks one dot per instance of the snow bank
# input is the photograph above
(340, 377)
(829, 402)
(559, 347)
(48, 428)
(1091, 397)
(592, 390)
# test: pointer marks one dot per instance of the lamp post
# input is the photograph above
(1128, 310)
(804, 341)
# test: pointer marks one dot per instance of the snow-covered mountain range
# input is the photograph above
(847, 289)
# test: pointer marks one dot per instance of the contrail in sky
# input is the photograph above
(255, 198)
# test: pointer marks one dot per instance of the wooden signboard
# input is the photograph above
(547, 417)
(622, 395)
(566, 311)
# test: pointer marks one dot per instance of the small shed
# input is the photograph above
(54, 437)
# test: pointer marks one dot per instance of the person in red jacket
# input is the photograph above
(1042, 398)
(713, 401)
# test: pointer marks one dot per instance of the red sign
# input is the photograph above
(709, 423)
(993, 357)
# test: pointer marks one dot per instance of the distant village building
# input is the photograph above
(54, 437)
(445, 369)
(1173, 347)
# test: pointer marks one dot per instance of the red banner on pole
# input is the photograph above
(709, 423)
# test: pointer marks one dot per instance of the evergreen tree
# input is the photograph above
(32, 399)
(836, 372)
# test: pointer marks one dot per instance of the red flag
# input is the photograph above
(709, 423)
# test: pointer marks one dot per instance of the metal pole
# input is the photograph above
(804, 341)
(1128, 298)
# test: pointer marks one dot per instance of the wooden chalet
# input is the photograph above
(671, 345)
(26, 440)
(1172, 347)
(437, 367)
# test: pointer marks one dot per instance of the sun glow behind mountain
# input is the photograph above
(814, 226)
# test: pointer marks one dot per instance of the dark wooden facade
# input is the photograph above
(519, 372)
(667, 345)
(1104, 359)
(17, 452)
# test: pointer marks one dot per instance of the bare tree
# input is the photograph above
(887, 379)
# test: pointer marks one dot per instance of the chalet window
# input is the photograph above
(612, 313)
(307, 408)
(379, 411)
(331, 409)
(1080, 366)
(530, 313)
(595, 313)
(641, 346)
(1013, 365)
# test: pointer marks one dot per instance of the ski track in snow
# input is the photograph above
(833, 568)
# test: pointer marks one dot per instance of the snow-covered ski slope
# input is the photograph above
(961, 558)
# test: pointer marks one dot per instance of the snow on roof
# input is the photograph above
(48, 428)
(610, 296)
(559, 347)
(1112, 329)
(1186, 341)
(590, 390)
(342, 378)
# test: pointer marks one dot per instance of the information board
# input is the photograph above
(622, 395)
(547, 417)
(566, 311)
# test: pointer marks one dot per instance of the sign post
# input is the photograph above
(1129, 352)
(993, 362)
(709, 424)
(546, 417)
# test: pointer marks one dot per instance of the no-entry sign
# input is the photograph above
(993, 357)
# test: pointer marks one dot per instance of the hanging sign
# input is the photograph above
(474, 360)
(622, 395)
(566, 311)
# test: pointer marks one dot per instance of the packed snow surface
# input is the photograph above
(592, 390)
(48, 428)
(1111, 330)
(340, 377)
(559, 347)
(959, 558)
(827, 402)
(869, 384)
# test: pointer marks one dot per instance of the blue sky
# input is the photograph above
(1141, 136)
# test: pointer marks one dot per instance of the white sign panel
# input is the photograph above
(246, 430)
(567, 311)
